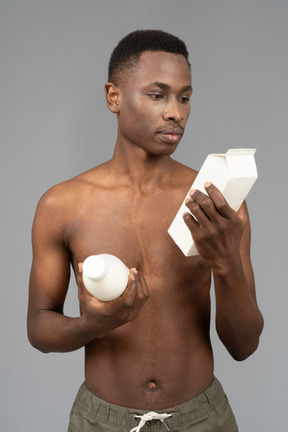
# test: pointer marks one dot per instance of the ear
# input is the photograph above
(112, 97)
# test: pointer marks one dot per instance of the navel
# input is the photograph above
(152, 386)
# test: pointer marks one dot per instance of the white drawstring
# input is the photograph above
(148, 417)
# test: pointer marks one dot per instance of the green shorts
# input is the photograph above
(208, 412)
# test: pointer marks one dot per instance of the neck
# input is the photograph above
(139, 169)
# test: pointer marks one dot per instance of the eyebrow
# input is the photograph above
(165, 86)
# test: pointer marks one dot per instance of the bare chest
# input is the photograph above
(133, 228)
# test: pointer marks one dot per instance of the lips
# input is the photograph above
(171, 135)
(171, 131)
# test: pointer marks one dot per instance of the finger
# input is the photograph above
(205, 203)
(197, 211)
(79, 278)
(243, 213)
(142, 292)
(191, 223)
(142, 289)
(130, 293)
(218, 199)
(145, 287)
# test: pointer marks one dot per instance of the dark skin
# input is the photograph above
(150, 348)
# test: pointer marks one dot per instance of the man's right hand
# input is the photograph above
(98, 318)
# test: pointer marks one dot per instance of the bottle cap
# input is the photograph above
(94, 267)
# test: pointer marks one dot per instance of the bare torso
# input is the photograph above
(163, 357)
(144, 352)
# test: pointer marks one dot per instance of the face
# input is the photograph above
(153, 104)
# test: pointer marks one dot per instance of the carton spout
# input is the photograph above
(241, 163)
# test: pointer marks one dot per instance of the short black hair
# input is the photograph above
(126, 54)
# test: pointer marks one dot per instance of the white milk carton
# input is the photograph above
(233, 173)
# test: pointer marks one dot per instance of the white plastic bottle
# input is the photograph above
(105, 276)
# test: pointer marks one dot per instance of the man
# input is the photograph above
(148, 355)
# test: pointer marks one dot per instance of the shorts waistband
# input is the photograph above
(120, 416)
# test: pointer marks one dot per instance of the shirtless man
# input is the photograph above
(148, 350)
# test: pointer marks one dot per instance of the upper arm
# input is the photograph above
(50, 271)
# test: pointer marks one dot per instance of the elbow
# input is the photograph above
(39, 347)
(245, 352)
(248, 344)
(35, 342)
(35, 334)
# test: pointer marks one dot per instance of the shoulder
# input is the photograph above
(69, 192)
(61, 204)
(59, 196)
(184, 175)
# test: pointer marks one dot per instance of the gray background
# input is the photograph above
(55, 124)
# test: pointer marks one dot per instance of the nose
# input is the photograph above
(173, 111)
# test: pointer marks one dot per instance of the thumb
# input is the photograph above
(243, 213)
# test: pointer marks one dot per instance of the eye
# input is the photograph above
(156, 96)
(184, 99)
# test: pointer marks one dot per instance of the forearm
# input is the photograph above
(239, 322)
(51, 331)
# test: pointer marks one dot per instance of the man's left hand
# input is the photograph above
(218, 229)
